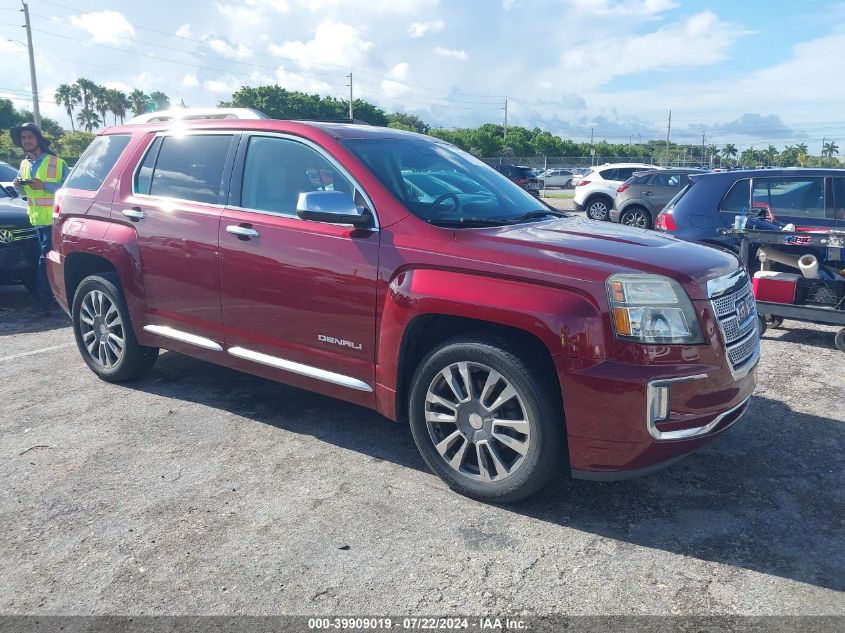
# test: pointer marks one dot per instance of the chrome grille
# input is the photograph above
(742, 340)
(12, 234)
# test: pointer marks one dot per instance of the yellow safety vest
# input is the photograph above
(40, 203)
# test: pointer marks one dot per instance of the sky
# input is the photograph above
(748, 72)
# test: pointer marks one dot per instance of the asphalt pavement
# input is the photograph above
(200, 490)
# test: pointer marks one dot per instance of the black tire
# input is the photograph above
(134, 359)
(598, 208)
(636, 216)
(839, 340)
(537, 397)
(761, 324)
(775, 321)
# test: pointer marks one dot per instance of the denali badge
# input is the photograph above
(337, 341)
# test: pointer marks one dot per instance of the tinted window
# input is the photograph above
(522, 172)
(277, 170)
(737, 198)
(144, 177)
(638, 180)
(838, 198)
(803, 197)
(190, 167)
(96, 163)
(7, 172)
(666, 180)
(610, 174)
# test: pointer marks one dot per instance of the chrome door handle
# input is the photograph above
(242, 231)
(134, 214)
(647, 193)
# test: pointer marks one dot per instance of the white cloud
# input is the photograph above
(105, 27)
(239, 14)
(371, 6)
(392, 89)
(295, 81)
(451, 54)
(400, 71)
(147, 81)
(333, 43)
(190, 81)
(118, 85)
(224, 85)
(420, 29)
(507, 5)
(184, 31)
(224, 48)
(279, 6)
(624, 7)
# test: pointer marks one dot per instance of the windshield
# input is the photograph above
(7, 172)
(440, 183)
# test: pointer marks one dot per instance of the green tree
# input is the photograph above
(138, 101)
(68, 96)
(119, 104)
(88, 119)
(102, 103)
(161, 100)
(87, 90)
(409, 122)
(74, 143)
(8, 114)
(729, 151)
(829, 149)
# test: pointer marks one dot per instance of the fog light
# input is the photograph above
(659, 405)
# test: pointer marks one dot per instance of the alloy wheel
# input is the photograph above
(597, 210)
(102, 329)
(636, 218)
(477, 421)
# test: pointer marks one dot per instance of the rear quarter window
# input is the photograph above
(97, 161)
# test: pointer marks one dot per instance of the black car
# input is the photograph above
(807, 198)
(18, 244)
(523, 176)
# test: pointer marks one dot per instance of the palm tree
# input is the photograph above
(87, 89)
(801, 150)
(729, 151)
(161, 100)
(830, 149)
(713, 151)
(101, 102)
(118, 104)
(138, 101)
(748, 156)
(67, 95)
(88, 119)
(770, 154)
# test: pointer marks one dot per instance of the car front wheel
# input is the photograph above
(485, 421)
(637, 217)
(598, 209)
(104, 332)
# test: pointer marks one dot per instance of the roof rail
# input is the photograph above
(189, 114)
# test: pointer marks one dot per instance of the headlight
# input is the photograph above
(651, 309)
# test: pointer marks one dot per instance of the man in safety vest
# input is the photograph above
(40, 176)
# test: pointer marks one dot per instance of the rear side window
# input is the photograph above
(97, 161)
(638, 180)
(608, 174)
(736, 200)
(666, 180)
(189, 167)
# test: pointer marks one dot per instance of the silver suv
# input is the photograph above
(640, 198)
(595, 192)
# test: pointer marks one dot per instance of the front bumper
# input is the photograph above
(615, 214)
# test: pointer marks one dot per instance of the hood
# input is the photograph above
(13, 212)
(588, 250)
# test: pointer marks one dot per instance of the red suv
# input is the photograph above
(513, 338)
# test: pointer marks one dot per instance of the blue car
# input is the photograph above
(807, 198)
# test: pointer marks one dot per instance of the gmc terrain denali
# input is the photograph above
(513, 338)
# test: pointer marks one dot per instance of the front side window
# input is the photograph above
(277, 170)
(803, 197)
(438, 182)
(97, 161)
(190, 167)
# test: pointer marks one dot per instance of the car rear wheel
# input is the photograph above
(637, 217)
(488, 423)
(104, 332)
(598, 209)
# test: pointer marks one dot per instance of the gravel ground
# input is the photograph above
(198, 490)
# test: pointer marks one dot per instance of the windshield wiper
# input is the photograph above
(539, 213)
(469, 221)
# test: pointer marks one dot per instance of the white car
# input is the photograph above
(558, 177)
(596, 191)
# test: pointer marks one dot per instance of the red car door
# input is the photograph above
(298, 297)
(172, 201)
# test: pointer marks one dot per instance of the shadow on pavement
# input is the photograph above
(795, 332)
(16, 318)
(767, 496)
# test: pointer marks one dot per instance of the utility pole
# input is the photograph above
(592, 149)
(824, 140)
(35, 109)
(668, 132)
(351, 117)
(703, 134)
(505, 132)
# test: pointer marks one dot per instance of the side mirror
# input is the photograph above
(11, 191)
(334, 207)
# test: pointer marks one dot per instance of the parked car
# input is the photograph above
(640, 198)
(514, 338)
(807, 198)
(559, 177)
(596, 191)
(18, 244)
(7, 177)
(521, 175)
